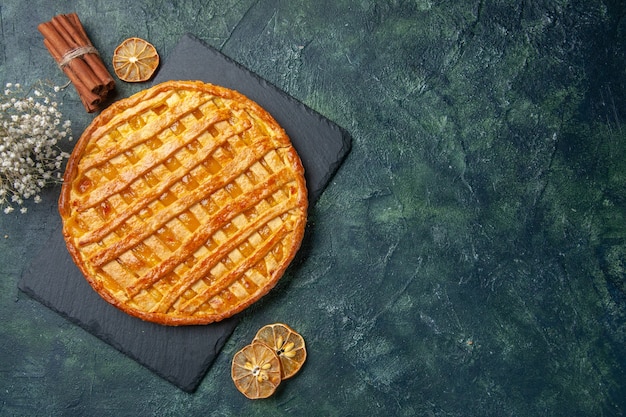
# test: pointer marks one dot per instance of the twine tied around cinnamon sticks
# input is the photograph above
(68, 43)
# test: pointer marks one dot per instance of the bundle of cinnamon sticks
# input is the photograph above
(68, 43)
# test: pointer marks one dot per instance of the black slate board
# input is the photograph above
(183, 355)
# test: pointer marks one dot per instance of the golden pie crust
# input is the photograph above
(184, 203)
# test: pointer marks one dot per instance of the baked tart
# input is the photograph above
(184, 203)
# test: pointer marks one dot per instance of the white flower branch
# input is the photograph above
(31, 127)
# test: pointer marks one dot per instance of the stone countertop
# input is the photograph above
(468, 258)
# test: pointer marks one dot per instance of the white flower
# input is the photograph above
(30, 128)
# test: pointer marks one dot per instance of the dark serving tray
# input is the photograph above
(183, 355)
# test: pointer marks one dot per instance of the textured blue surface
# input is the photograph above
(468, 258)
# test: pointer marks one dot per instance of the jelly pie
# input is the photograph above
(184, 203)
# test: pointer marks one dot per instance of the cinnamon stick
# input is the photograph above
(76, 30)
(68, 43)
(90, 100)
(61, 46)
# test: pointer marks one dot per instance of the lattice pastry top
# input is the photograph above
(184, 203)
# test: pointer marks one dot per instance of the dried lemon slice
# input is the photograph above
(256, 371)
(287, 344)
(135, 60)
